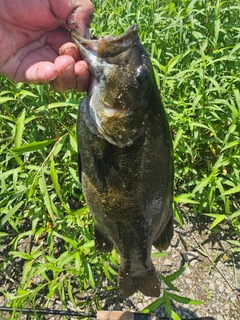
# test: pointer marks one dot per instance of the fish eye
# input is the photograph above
(142, 74)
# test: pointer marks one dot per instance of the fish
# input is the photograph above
(126, 157)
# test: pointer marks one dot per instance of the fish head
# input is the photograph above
(122, 78)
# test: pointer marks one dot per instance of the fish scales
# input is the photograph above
(125, 157)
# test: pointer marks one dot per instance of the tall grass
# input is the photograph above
(195, 50)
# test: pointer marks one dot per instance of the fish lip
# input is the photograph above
(107, 46)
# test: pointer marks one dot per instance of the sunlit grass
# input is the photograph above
(195, 50)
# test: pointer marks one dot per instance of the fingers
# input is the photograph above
(70, 75)
(83, 76)
(69, 49)
(40, 72)
(65, 79)
(65, 72)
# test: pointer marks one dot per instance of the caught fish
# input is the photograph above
(125, 157)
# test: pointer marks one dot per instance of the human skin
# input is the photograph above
(36, 45)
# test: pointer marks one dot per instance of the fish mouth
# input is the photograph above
(107, 46)
(112, 109)
(103, 56)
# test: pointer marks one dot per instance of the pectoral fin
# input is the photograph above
(107, 167)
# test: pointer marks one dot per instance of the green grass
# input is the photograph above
(195, 50)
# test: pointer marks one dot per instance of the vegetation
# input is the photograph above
(195, 50)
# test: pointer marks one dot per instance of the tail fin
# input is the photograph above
(148, 283)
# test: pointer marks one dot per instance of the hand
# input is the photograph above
(32, 32)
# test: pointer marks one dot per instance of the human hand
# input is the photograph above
(32, 32)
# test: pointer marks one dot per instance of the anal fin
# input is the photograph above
(164, 240)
